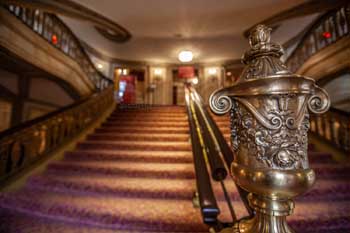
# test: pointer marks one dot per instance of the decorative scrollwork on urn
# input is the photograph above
(219, 103)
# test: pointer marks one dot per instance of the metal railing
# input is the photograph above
(334, 127)
(207, 200)
(215, 155)
(328, 29)
(59, 35)
(32, 141)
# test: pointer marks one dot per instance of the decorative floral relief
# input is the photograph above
(281, 144)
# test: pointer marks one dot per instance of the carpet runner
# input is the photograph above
(135, 174)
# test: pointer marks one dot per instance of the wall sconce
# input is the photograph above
(212, 71)
(158, 72)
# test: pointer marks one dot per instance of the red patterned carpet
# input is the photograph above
(135, 174)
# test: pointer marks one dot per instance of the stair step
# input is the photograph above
(124, 169)
(147, 119)
(24, 223)
(135, 145)
(140, 115)
(138, 137)
(144, 124)
(158, 130)
(131, 156)
(109, 212)
(331, 171)
(121, 187)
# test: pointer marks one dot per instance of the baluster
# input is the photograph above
(347, 133)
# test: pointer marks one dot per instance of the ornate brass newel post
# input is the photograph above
(269, 123)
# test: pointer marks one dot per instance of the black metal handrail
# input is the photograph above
(222, 149)
(207, 200)
(59, 35)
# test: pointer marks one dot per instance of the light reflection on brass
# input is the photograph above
(269, 122)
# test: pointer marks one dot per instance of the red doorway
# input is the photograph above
(127, 89)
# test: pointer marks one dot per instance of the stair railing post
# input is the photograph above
(269, 122)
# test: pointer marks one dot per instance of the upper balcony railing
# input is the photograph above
(59, 35)
(26, 144)
(327, 30)
(334, 127)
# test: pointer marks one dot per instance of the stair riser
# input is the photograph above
(332, 172)
(138, 130)
(106, 146)
(86, 189)
(66, 169)
(84, 156)
(153, 115)
(139, 138)
(145, 124)
(148, 119)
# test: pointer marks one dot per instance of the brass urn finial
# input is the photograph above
(269, 108)
(264, 57)
(259, 36)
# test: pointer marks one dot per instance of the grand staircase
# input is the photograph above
(135, 173)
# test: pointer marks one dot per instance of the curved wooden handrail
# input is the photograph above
(32, 141)
(104, 25)
(207, 200)
(333, 127)
(222, 149)
(327, 30)
(59, 35)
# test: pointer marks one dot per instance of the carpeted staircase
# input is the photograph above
(135, 174)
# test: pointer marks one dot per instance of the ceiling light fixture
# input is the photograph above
(100, 66)
(185, 56)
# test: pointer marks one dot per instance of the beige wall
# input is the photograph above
(161, 78)
(210, 79)
(40, 97)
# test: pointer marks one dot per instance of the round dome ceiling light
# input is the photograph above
(185, 56)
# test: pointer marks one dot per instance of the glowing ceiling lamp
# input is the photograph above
(185, 56)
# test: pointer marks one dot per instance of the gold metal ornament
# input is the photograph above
(269, 122)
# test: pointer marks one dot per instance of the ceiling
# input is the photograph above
(160, 29)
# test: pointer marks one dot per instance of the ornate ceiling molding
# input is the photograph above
(307, 8)
(105, 26)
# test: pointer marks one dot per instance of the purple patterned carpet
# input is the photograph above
(135, 174)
